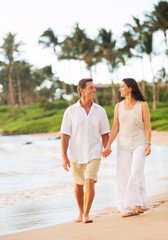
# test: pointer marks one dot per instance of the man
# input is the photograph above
(85, 130)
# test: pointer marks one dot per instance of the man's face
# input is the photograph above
(89, 91)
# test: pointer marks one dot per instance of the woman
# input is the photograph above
(132, 124)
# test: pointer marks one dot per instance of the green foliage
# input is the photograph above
(110, 113)
(49, 117)
(36, 119)
(61, 104)
(159, 117)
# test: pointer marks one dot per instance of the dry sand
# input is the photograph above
(108, 224)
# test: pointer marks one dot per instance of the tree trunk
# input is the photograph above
(154, 85)
(28, 94)
(96, 99)
(114, 94)
(143, 76)
(154, 95)
(72, 92)
(158, 91)
(19, 92)
(165, 35)
(143, 87)
(11, 90)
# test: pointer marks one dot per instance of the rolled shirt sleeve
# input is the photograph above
(104, 123)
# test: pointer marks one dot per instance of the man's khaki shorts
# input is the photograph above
(80, 172)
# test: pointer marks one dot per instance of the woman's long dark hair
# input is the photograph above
(136, 92)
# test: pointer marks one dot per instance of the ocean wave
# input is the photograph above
(9, 199)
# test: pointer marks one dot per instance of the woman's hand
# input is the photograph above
(147, 149)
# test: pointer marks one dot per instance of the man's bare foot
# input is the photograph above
(130, 214)
(138, 209)
(87, 220)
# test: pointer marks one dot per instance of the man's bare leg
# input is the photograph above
(88, 199)
(79, 194)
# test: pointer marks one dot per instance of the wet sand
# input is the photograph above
(108, 224)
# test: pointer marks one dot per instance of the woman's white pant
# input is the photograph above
(131, 190)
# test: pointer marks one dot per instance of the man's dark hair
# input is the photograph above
(82, 83)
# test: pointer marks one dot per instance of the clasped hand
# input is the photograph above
(106, 152)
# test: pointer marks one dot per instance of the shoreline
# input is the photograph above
(158, 137)
(108, 224)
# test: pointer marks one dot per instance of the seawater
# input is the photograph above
(35, 190)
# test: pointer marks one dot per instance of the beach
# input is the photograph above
(108, 223)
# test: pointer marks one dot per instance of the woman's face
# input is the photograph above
(124, 89)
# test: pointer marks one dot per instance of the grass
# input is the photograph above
(47, 117)
(36, 119)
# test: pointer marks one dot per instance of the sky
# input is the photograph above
(30, 18)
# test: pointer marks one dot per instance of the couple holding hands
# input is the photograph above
(85, 139)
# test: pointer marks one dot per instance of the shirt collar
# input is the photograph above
(79, 105)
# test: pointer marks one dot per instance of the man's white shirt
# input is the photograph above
(85, 131)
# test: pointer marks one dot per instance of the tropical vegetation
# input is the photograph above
(25, 88)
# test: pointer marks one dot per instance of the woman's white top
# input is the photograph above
(131, 127)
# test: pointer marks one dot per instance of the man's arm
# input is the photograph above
(105, 138)
(64, 147)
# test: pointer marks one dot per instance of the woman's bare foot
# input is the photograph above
(87, 220)
(130, 214)
(79, 219)
(138, 209)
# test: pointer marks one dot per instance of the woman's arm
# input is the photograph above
(113, 132)
(147, 127)
(115, 127)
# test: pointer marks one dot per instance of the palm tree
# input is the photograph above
(49, 39)
(10, 48)
(158, 19)
(161, 76)
(112, 55)
(18, 68)
(89, 54)
(147, 47)
(48, 74)
(129, 45)
(136, 30)
(4, 83)
(81, 48)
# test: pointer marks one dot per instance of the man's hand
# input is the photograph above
(66, 164)
(106, 152)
